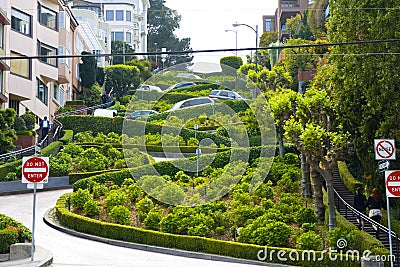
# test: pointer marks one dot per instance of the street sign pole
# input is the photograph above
(390, 231)
(33, 221)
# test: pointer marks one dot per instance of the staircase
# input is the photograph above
(344, 205)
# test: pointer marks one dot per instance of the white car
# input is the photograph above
(147, 87)
(101, 112)
(191, 102)
(225, 95)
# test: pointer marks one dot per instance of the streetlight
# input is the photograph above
(256, 31)
(235, 31)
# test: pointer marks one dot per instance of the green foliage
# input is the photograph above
(91, 95)
(7, 238)
(266, 234)
(67, 137)
(349, 181)
(19, 124)
(51, 149)
(232, 61)
(88, 70)
(79, 198)
(152, 221)
(115, 198)
(92, 160)
(30, 120)
(121, 78)
(305, 215)
(339, 236)
(60, 164)
(144, 206)
(120, 215)
(119, 47)
(91, 208)
(7, 134)
(309, 241)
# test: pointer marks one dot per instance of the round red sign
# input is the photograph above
(393, 183)
(35, 170)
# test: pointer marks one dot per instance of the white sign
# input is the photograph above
(35, 170)
(385, 149)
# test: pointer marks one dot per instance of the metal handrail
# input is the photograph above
(365, 218)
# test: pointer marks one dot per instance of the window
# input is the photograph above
(56, 92)
(61, 19)
(62, 93)
(46, 50)
(268, 25)
(20, 67)
(47, 17)
(1, 82)
(109, 15)
(128, 37)
(21, 22)
(14, 104)
(119, 15)
(61, 53)
(128, 16)
(1, 35)
(42, 91)
(117, 36)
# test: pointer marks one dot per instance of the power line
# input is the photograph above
(186, 52)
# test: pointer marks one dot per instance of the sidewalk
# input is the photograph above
(41, 258)
(17, 187)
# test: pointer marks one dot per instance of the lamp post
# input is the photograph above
(256, 32)
(235, 31)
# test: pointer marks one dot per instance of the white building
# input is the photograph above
(127, 18)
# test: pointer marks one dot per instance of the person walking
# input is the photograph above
(374, 204)
(45, 127)
(360, 204)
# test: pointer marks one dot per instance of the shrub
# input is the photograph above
(99, 190)
(338, 237)
(7, 238)
(73, 149)
(115, 198)
(79, 198)
(152, 220)
(305, 215)
(60, 164)
(220, 230)
(309, 241)
(144, 206)
(91, 208)
(134, 192)
(291, 158)
(266, 234)
(84, 137)
(92, 160)
(120, 215)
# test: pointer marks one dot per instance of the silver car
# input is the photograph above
(225, 95)
(191, 102)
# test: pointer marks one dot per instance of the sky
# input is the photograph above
(206, 22)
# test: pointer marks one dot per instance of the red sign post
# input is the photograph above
(35, 169)
(392, 183)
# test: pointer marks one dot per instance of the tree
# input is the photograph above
(7, 134)
(298, 27)
(232, 61)
(88, 70)
(161, 23)
(119, 47)
(271, 79)
(120, 78)
(316, 18)
(144, 67)
(91, 96)
(364, 78)
(268, 38)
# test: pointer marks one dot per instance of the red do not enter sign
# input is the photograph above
(35, 169)
(392, 183)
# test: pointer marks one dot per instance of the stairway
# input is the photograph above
(344, 210)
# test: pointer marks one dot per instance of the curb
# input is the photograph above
(42, 258)
(51, 220)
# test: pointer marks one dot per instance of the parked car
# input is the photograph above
(191, 102)
(225, 95)
(181, 85)
(188, 75)
(147, 87)
(101, 112)
(140, 114)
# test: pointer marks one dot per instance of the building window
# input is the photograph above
(117, 36)
(61, 19)
(128, 37)
(61, 52)
(1, 35)
(119, 15)
(62, 93)
(42, 91)
(109, 15)
(46, 50)
(20, 67)
(14, 104)
(268, 25)
(56, 92)
(1, 82)
(128, 16)
(21, 22)
(47, 17)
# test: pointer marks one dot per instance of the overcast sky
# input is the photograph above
(205, 23)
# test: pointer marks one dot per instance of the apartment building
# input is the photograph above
(4, 67)
(127, 19)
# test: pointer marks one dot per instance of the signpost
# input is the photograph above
(385, 149)
(35, 171)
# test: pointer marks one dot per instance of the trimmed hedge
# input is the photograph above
(188, 243)
(51, 149)
(75, 102)
(9, 167)
(26, 132)
(349, 181)
(67, 137)
(74, 177)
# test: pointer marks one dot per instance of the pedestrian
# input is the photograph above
(45, 127)
(374, 204)
(360, 204)
(104, 98)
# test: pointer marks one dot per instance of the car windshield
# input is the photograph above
(214, 92)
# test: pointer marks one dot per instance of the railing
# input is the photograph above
(56, 135)
(349, 210)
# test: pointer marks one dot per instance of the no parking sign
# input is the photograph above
(385, 149)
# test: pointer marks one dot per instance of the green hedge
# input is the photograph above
(74, 177)
(26, 132)
(9, 167)
(75, 102)
(349, 181)
(51, 149)
(67, 137)
(188, 243)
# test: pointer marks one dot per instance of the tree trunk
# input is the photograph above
(305, 177)
(318, 195)
(281, 146)
(327, 174)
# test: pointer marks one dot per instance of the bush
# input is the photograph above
(144, 206)
(338, 237)
(120, 215)
(79, 198)
(7, 238)
(305, 215)
(92, 160)
(152, 221)
(51, 149)
(115, 198)
(67, 137)
(309, 241)
(91, 208)
(60, 164)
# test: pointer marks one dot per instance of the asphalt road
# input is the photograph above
(74, 251)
